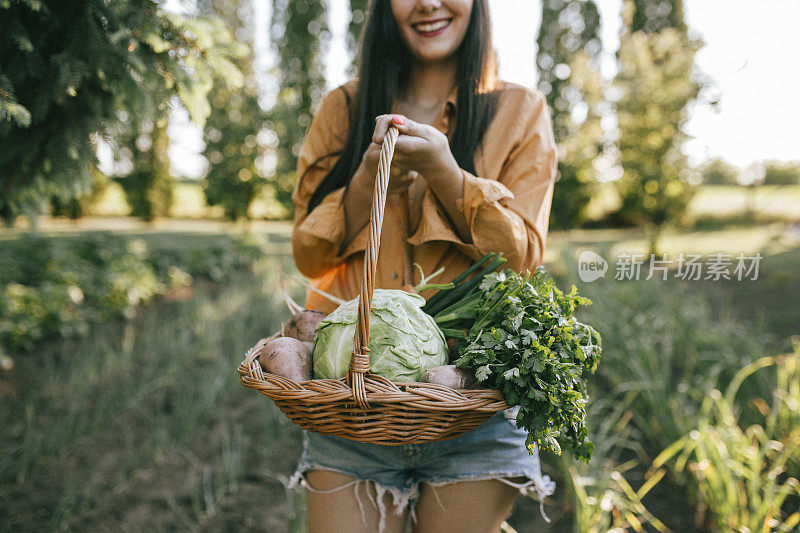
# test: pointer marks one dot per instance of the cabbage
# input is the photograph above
(404, 342)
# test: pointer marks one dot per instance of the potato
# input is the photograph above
(286, 357)
(303, 325)
(449, 376)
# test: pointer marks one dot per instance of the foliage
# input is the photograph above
(298, 30)
(524, 340)
(234, 179)
(740, 473)
(148, 398)
(655, 85)
(89, 60)
(568, 53)
(717, 171)
(235, 155)
(603, 499)
(149, 187)
(48, 289)
(358, 15)
(661, 347)
(652, 16)
(781, 173)
(81, 205)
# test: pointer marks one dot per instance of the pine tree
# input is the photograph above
(87, 60)
(568, 53)
(299, 31)
(656, 83)
(234, 178)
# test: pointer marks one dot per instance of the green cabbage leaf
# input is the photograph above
(404, 342)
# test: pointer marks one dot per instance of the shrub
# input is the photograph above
(50, 288)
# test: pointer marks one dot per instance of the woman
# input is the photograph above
(472, 172)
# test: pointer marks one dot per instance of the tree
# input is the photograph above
(235, 177)
(150, 186)
(358, 14)
(782, 173)
(568, 53)
(298, 30)
(655, 83)
(719, 172)
(652, 16)
(87, 60)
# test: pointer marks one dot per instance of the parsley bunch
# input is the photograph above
(518, 333)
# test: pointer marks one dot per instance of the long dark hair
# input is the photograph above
(383, 68)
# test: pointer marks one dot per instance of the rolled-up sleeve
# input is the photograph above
(318, 236)
(509, 214)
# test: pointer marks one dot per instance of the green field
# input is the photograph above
(724, 202)
(720, 204)
(144, 425)
(190, 202)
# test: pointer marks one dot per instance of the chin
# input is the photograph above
(433, 56)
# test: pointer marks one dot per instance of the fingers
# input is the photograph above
(404, 124)
(382, 123)
(409, 127)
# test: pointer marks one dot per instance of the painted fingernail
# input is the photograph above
(398, 120)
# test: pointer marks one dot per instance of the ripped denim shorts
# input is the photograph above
(494, 450)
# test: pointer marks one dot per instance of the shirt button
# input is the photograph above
(393, 275)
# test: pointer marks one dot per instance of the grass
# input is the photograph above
(151, 407)
(719, 206)
(145, 426)
(711, 206)
(722, 200)
(190, 203)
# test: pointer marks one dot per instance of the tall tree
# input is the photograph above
(87, 60)
(656, 83)
(149, 187)
(235, 176)
(299, 30)
(358, 14)
(652, 16)
(568, 53)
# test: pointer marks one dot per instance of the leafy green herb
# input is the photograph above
(523, 339)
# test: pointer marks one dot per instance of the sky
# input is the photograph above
(751, 55)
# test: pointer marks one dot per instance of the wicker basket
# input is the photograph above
(363, 406)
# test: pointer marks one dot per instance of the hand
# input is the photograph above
(420, 147)
(399, 179)
(426, 150)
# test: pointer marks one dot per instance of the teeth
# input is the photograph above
(427, 28)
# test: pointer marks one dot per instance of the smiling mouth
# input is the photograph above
(433, 27)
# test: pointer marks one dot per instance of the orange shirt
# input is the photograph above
(506, 205)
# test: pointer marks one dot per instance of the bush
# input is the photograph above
(739, 473)
(50, 288)
(777, 173)
(719, 172)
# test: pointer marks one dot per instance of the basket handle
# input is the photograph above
(359, 360)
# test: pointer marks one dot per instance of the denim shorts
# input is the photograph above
(494, 450)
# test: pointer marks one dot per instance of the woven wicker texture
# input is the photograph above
(363, 406)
